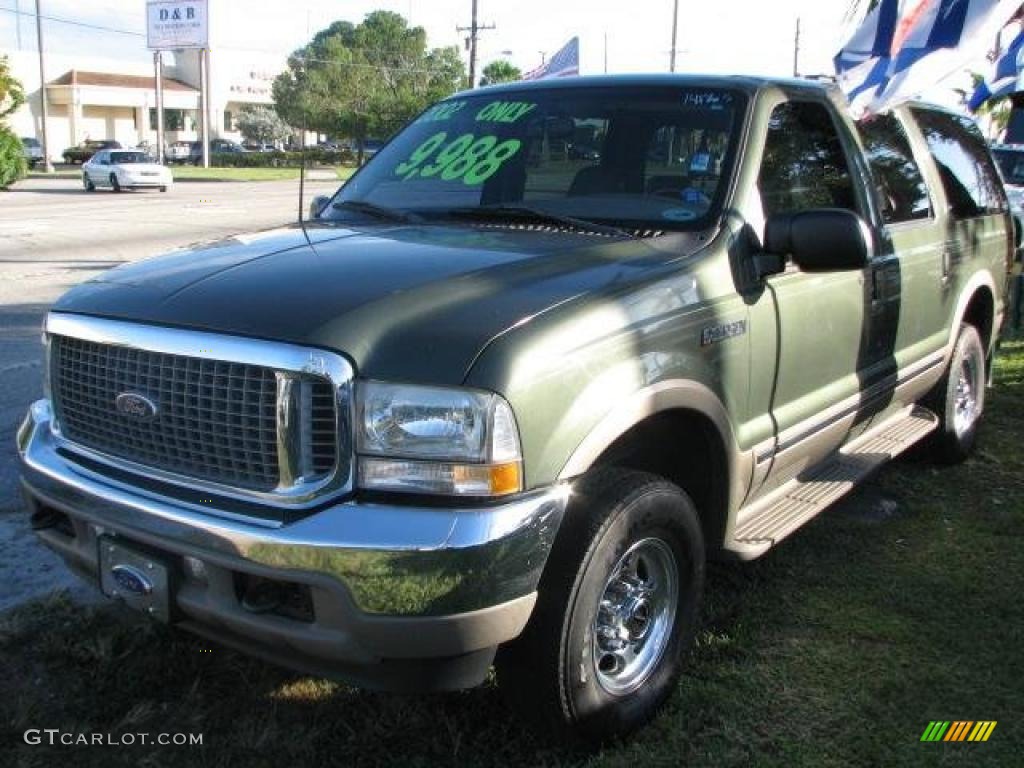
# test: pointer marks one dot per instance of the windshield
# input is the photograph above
(125, 158)
(30, 142)
(1011, 163)
(639, 157)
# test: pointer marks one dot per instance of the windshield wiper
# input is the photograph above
(534, 215)
(377, 211)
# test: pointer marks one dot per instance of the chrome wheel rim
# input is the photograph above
(965, 401)
(635, 616)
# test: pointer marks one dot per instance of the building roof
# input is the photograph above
(109, 80)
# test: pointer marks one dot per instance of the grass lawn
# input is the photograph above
(900, 606)
(189, 173)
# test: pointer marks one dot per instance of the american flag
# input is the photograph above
(564, 63)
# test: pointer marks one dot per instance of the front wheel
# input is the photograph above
(114, 183)
(959, 399)
(87, 183)
(617, 609)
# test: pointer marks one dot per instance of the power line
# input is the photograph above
(71, 22)
(311, 59)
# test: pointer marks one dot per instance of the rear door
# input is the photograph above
(905, 281)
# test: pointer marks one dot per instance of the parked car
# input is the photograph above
(217, 146)
(85, 150)
(1010, 158)
(122, 169)
(178, 152)
(477, 412)
(255, 146)
(33, 151)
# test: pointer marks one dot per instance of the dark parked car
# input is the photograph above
(217, 147)
(33, 151)
(87, 149)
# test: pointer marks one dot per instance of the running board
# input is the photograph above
(772, 519)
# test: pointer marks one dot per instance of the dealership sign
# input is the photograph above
(176, 24)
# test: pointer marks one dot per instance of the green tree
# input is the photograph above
(367, 80)
(500, 72)
(262, 124)
(12, 157)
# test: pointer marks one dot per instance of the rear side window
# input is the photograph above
(804, 165)
(968, 174)
(900, 184)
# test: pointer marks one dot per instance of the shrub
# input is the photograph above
(280, 159)
(12, 158)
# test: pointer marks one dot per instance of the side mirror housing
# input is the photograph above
(820, 239)
(317, 204)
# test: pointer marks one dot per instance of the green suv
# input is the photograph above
(499, 400)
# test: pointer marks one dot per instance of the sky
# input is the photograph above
(714, 36)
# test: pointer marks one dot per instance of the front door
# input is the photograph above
(822, 319)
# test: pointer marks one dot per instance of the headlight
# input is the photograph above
(455, 442)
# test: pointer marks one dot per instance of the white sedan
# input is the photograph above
(124, 169)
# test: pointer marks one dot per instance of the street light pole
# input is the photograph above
(47, 165)
(675, 27)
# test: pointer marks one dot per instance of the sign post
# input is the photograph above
(179, 25)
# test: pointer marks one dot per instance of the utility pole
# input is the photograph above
(606, 53)
(204, 104)
(474, 30)
(158, 76)
(675, 28)
(47, 165)
(796, 49)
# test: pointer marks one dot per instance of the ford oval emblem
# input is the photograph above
(131, 579)
(135, 406)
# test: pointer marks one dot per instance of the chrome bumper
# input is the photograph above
(467, 575)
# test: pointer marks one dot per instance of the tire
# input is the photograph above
(568, 672)
(114, 183)
(959, 399)
(163, 189)
(87, 183)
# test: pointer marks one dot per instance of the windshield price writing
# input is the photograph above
(474, 159)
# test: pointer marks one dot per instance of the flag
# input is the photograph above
(1002, 77)
(564, 63)
(905, 46)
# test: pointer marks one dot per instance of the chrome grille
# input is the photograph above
(217, 421)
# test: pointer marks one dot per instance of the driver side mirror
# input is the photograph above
(317, 204)
(820, 239)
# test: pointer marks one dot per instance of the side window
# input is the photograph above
(968, 174)
(804, 165)
(900, 184)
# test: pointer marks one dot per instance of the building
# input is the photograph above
(92, 97)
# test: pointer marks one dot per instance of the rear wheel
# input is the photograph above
(959, 398)
(616, 611)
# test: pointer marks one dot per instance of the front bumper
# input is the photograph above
(403, 597)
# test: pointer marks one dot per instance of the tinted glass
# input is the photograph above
(130, 157)
(1011, 163)
(900, 185)
(639, 157)
(968, 175)
(30, 142)
(804, 165)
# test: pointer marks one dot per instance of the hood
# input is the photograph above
(403, 302)
(146, 167)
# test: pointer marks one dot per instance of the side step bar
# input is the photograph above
(772, 519)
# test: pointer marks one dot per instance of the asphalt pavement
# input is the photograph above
(53, 235)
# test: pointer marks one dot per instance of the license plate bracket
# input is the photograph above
(142, 581)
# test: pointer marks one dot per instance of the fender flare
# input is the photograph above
(980, 279)
(668, 395)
